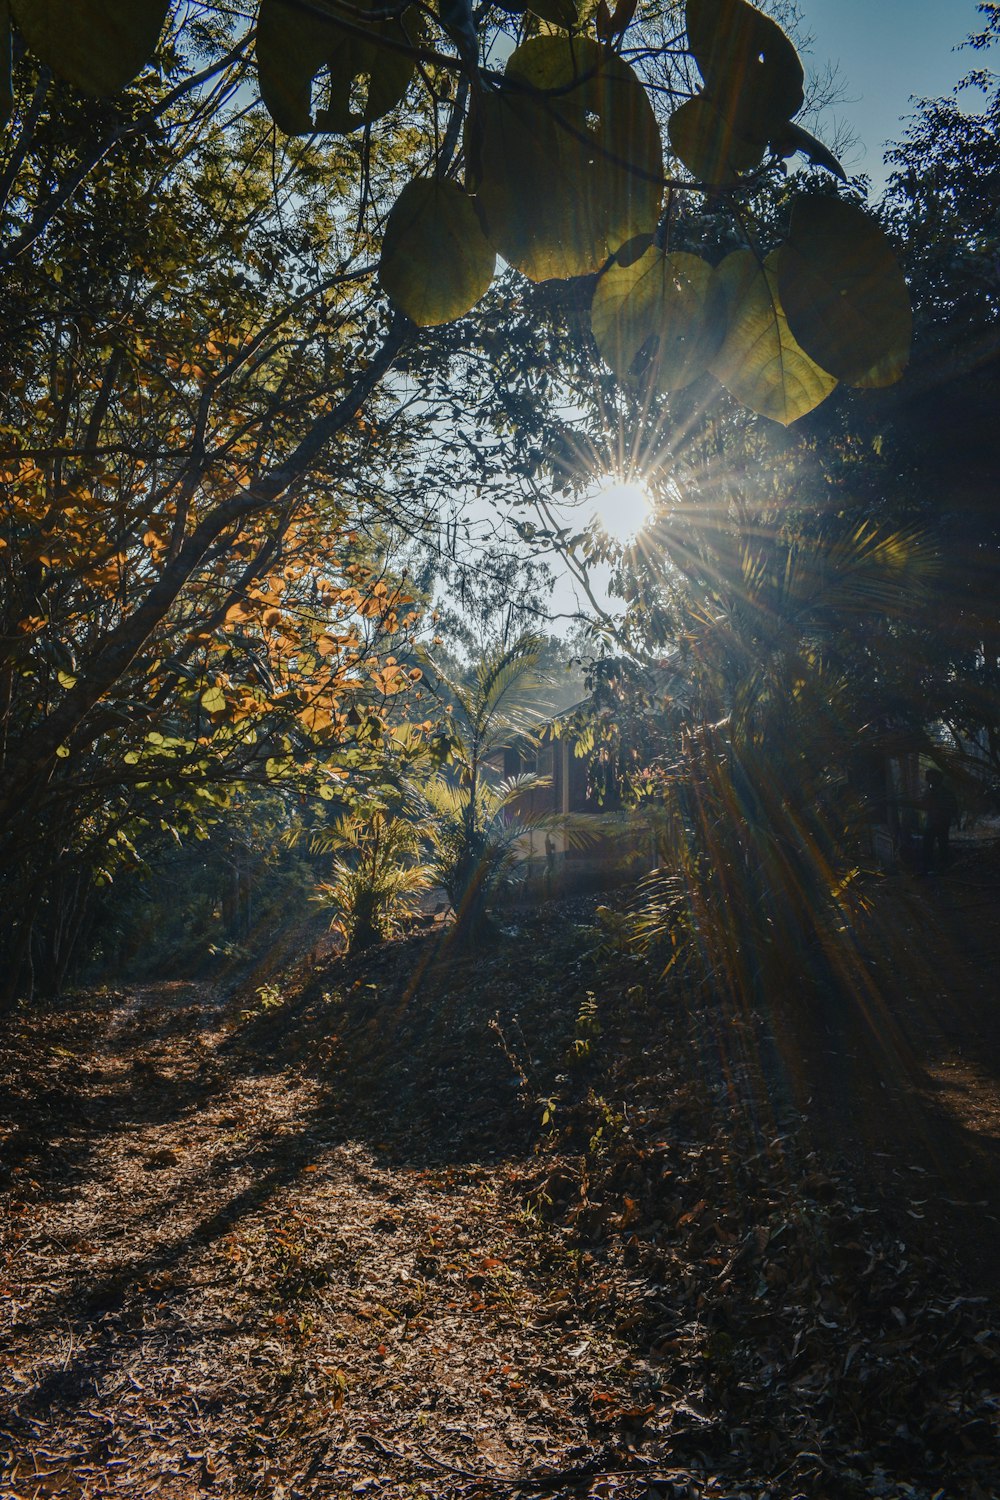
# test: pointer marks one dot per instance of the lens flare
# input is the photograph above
(620, 507)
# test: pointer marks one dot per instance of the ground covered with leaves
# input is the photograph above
(525, 1221)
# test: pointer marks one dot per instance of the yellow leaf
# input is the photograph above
(436, 262)
(572, 162)
(651, 316)
(315, 719)
(710, 142)
(214, 700)
(760, 362)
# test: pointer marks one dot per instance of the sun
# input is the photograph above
(620, 507)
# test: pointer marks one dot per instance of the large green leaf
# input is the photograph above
(366, 78)
(572, 164)
(750, 67)
(760, 362)
(651, 316)
(706, 140)
(844, 292)
(436, 262)
(100, 45)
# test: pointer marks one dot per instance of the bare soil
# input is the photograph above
(516, 1222)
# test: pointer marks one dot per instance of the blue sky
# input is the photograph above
(888, 50)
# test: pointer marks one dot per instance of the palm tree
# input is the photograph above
(378, 878)
(793, 644)
(475, 812)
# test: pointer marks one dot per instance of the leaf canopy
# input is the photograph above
(844, 292)
(436, 262)
(565, 157)
(572, 163)
(760, 362)
(651, 316)
(753, 86)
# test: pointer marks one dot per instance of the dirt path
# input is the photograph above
(510, 1224)
(208, 1290)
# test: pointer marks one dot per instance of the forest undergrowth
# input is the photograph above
(524, 1221)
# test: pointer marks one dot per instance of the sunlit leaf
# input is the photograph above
(844, 292)
(572, 164)
(100, 45)
(213, 701)
(651, 316)
(707, 141)
(436, 263)
(365, 78)
(885, 371)
(760, 362)
(750, 67)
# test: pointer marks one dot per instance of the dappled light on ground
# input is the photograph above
(516, 1219)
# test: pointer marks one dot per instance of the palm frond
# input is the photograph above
(503, 677)
(864, 572)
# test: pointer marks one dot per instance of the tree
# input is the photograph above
(472, 808)
(378, 875)
(922, 458)
(189, 599)
(814, 598)
(762, 816)
(939, 441)
(165, 459)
